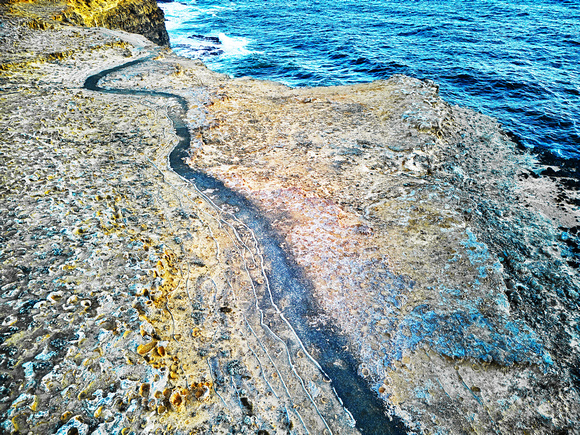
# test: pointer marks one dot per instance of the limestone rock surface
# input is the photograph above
(412, 238)
(143, 17)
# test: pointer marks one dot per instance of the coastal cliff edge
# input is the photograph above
(185, 252)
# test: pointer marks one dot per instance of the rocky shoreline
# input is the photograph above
(412, 237)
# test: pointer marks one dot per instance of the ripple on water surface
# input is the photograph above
(515, 61)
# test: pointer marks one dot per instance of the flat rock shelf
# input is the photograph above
(256, 244)
(186, 253)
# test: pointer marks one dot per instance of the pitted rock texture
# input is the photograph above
(130, 302)
(416, 223)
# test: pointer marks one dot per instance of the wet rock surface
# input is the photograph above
(416, 234)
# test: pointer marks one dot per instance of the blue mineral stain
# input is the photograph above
(448, 295)
(467, 333)
(482, 272)
(476, 251)
(502, 301)
(423, 392)
(497, 267)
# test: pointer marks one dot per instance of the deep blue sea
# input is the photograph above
(518, 61)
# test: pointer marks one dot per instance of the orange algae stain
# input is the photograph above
(167, 270)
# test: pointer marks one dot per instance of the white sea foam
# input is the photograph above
(181, 12)
(186, 41)
(176, 14)
(233, 46)
(205, 48)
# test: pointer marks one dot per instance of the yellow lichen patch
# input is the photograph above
(34, 405)
(144, 390)
(143, 349)
(15, 338)
(177, 399)
(201, 390)
(167, 271)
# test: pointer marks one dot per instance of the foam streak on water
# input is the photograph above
(517, 61)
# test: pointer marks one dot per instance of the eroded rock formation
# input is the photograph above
(143, 17)
(330, 236)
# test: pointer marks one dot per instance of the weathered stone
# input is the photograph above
(399, 227)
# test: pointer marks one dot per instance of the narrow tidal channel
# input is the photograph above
(284, 280)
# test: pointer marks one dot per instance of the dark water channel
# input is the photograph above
(286, 279)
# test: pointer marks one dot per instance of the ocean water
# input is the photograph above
(518, 61)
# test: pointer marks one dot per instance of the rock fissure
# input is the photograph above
(283, 277)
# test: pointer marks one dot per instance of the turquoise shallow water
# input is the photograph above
(517, 61)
